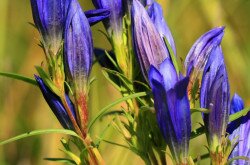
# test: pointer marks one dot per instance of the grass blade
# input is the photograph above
(19, 77)
(39, 132)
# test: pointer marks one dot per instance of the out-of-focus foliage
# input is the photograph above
(22, 107)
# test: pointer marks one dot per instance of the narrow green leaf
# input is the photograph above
(239, 114)
(40, 132)
(112, 113)
(61, 160)
(19, 77)
(172, 55)
(47, 80)
(116, 144)
(199, 131)
(202, 110)
(107, 76)
(76, 159)
(112, 60)
(103, 111)
(103, 132)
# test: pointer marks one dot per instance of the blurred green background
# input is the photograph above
(23, 109)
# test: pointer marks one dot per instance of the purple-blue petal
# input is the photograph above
(56, 105)
(179, 107)
(169, 73)
(148, 45)
(95, 16)
(237, 104)
(156, 14)
(242, 136)
(154, 75)
(172, 108)
(215, 94)
(200, 51)
(78, 46)
(163, 115)
(49, 17)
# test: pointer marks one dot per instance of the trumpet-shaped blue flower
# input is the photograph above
(201, 50)
(239, 130)
(156, 14)
(78, 47)
(172, 107)
(215, 96)
(56, 105)
(49, 18)
(148, 44)
(78, 55)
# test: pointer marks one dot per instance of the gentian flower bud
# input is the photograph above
(215, 96)
(56, 105)
(201, 50)
(239, 130)
(172, 108)
(114, 23)
(156, 14)
(78, 47)
(49, 18)
(148, 44)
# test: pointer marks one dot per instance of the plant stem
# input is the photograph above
(73, 120)
(94, 155)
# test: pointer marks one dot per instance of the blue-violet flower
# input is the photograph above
(172, 108)
(56, 105)
(215, 96)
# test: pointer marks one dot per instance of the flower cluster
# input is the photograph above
(138, 34)
(66, 39)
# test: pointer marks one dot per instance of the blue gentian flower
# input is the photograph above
(117, 11)
(49, 18)
(56, 105)
(201, 50)
(156, 14)
(172, 107)
(149, 47)
(215, 96)
(239, 131)
(78, 47)
(78, 55)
